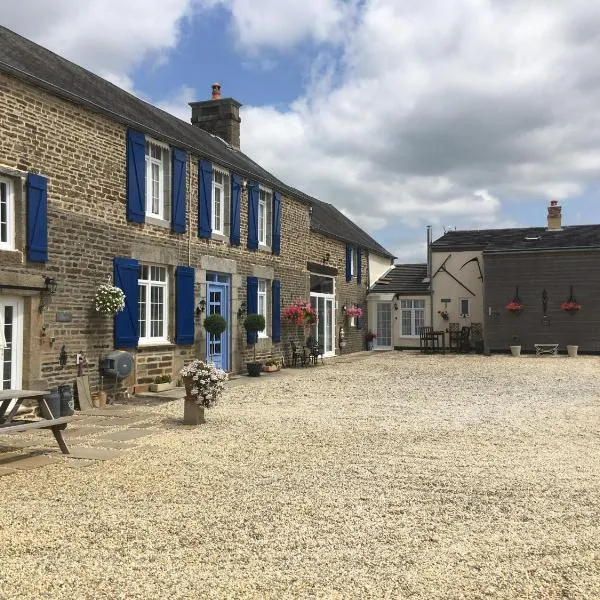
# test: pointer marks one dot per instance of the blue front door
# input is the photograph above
(217, 347)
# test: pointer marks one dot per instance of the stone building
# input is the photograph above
(97, 185)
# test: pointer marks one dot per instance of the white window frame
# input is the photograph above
(413, 321)
(352, 260)
(265, 217)
(224, 188)
(465, 315)
(9, 242)
(262, 305)
(148, 284)
(163, 178)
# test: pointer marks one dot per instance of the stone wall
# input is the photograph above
(82, 154)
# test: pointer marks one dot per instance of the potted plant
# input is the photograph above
(515, 307)
(370, 337)
(204, 384)
(215, 325)
(272, 365)
(444, 314)
(109, 299)
(254, 323)
(571, 306)
(162, 383)
(515, 348)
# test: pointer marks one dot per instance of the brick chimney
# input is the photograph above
(554, 216)
(219, 116)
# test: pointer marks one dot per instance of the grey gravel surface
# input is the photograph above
(383, 476)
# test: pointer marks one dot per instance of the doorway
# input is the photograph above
(383, 340)
(217, 302)
(11, 344)
(322, 299)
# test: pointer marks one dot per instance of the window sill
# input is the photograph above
(156, 344)
(158, 222)
(264, 248)
(220, 237)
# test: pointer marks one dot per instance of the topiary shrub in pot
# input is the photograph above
(215, 325)
(254, 323)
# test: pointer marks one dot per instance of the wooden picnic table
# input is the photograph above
(11, 400)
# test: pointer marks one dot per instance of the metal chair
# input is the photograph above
(297, 355)
(453, 337)
(464, 344)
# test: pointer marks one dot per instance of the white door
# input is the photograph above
(383, 340)
(324, 331)
(11, 355)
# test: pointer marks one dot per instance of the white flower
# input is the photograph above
(208, 381)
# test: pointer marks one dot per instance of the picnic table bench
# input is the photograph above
(545, 349)
(10, 402)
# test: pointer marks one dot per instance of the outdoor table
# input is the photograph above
(11, 400)
(436, 342)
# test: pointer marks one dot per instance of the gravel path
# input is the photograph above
(381, 476)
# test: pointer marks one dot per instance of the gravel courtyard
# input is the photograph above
(388, 475)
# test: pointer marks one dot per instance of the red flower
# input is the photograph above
(515, 306)
(570, 306)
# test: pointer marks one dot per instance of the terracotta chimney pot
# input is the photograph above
(216, 91)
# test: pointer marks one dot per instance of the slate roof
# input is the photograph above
(403, 280)
(327, 219)
(38, 66)
(526, 238)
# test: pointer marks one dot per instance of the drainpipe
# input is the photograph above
(429, 272)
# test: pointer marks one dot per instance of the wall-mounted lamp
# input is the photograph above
(242, 310)
(327, 258)
(310, 209)
(49, 289)
(244, 184)
(201, 307)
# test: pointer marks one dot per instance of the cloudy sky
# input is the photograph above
(455, 113)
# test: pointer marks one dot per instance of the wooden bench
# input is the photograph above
(11, 400)
(545, 349)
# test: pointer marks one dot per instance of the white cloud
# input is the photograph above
(109, 37)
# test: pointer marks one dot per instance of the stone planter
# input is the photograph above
(515, 350)
(572, 351)
(271, 368)
(161, 387)
(193, 414)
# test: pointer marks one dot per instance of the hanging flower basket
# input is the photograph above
(515, 307)
(300, 313)
(353, 311)
(570, 306)
(109, 300)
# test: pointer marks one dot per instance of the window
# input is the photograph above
(356, 264)
(412, 314)
(265, 218)
(262, 304)
(153, 304)
(352, 261)
(157, 180)
(7, 215)
(220, 201)
(464, 307)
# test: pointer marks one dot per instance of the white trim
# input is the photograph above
(9, 244)
(225, 198)
(17, 348)
(163, 173)
(265, 199)
(264, 333)
(149, 284)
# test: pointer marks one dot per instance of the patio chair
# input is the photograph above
(464, 344)
(453, 337)
(297, 355)
(315, 351)
(426, 339)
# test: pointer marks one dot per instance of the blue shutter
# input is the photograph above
(348, 262)
(276, 243)
(359, 266)
(252, 305)
(136, 176)
(236, 200)
(184, 305)
(253, 193)
(276, 310)
(37, 218)
(126, 273)
(178, 191)
(205, 175)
